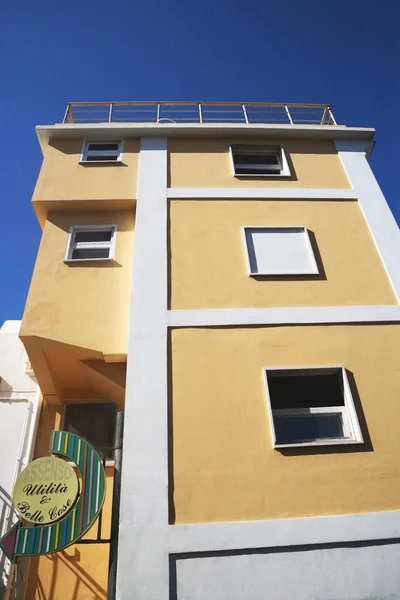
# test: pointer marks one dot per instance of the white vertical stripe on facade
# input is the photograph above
(143, 570)
(374, 206)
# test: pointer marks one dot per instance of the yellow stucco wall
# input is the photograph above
(209, 260)
(79, 571)
(63, 178)
(82, 304)
(207, 163)
(224, 464)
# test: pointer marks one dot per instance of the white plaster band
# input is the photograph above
(283, 316)
(284, 532)
(261, 193)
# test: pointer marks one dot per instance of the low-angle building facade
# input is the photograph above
(226, 275)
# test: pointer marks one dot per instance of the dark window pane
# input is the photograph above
(102, 157)
(307, 428)
(95, 422)
(294, 389)
(93, 236)
(252, 170)
(111, 146)
(90, 253)
(256, 159)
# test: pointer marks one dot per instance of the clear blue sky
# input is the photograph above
(345, 53)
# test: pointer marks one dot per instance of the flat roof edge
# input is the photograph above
(107, 131)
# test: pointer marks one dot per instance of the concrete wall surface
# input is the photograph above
(344, 572)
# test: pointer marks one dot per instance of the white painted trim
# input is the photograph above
(276, 533)
(314, 270)
(377, 213)
(283, 316)
(91, 245)
(351, 427)
(286, 193)
(112, 131)
(85, 149)
(143, 570)
(279, 150)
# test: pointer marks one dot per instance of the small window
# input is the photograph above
(279, 251)
(311, 407)
(259, 161)
(91, 242)
(95, 422)
(101, 151)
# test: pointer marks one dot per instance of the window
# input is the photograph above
(94, 421)
(279, 251)
(91, 242)
(101, 151)
(311, 407)
(259, 161)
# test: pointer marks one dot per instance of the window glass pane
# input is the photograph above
(93, 236)
(256, 159)
(92, 158)
(90, 253)
(109, 146)
(95, 422)
(308, 428)
(296, 389)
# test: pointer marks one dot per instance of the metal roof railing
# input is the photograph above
(199, 112)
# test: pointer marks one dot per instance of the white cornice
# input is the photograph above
(105, 131)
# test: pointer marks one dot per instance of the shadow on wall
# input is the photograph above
(80, 583)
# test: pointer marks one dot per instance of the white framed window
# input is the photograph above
(259, 161)
(102, 151)
(311, 406)
(91, 242)
(95, 422)
(279, 251)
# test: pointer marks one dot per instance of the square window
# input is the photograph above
(91, 242)
(279, 251)
(95, 422)
(101, 151)
(259, 161)
(310, 407)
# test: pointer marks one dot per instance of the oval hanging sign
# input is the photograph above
(46, 490)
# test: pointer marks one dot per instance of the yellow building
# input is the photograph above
(228, 276)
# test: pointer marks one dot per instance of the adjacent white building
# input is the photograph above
(19, 411)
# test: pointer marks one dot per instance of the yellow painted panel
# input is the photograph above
(224, 465)
(209, 260)
(63, 178)
(207, 163)
(81, 304)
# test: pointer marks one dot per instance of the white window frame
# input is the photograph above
(263, 149)
(71, 245)
(351, 425)
(85, 151)
(313, 271)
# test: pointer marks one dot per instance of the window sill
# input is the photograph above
(287, 274)
(69, 261)
(259, 175)
(101, 162)
(341, 442)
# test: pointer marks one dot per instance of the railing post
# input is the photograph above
(331, 115)
(245, 113)
(113, 560)
(66, 113)
(200, 113)
(158, 112)
(288, 114)
(110, 112)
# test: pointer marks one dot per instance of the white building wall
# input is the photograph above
(19, 404)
